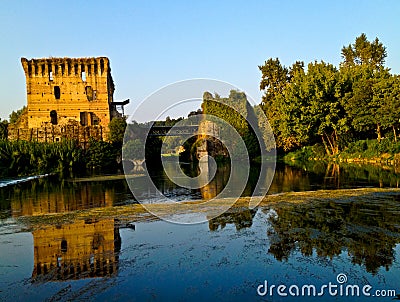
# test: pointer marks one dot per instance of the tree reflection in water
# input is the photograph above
(240, 217)
(366, 227)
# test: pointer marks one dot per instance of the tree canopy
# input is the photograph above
(332, 105)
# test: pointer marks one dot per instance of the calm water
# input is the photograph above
(225, 259)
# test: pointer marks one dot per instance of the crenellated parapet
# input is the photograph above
(65, 67)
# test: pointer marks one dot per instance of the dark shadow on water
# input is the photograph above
(366, 227)
(241, 218)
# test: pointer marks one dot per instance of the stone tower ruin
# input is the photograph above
(68, 98)
(61, 90)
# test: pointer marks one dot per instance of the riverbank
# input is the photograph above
(384, 153)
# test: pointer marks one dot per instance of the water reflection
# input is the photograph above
(84, 249)
(170, 262)
(55, 195)
(241, 218)
(368, 229)
(52, 195)
(344, 175)
(215, 184)
(286, 178)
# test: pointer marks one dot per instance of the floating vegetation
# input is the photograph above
(136, 212)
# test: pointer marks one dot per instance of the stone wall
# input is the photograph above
(55, 133)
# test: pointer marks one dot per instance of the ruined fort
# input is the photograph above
(66, 98)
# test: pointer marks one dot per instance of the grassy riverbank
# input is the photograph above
(363, 151)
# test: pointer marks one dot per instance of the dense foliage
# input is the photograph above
(235, 111)
(117, 128)
(20, 158)
(329, 105)
(26, 158)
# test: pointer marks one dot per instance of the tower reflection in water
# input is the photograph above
(83, 249)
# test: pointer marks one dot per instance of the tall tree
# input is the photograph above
(363, 67)
(386, 92)
(323, 104)
(274, 79)
(364, 52)
(313, 112)
(361, 108)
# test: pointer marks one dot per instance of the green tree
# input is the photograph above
(275, 80)
(323, 104)
(235, 111)
(364, 52)
(274, 77)
(362, 68)
(133, 149)
(360, 85)
(311, 111)
(117, 128)
(360, 71)
(386, 92)
(101, 154)
(15, 115)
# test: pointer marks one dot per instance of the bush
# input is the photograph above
(318, 151)
(388, 146)
(357, 147)
(303, 154)
(101, 154)
(371, 148)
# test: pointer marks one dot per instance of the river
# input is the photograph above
(234, 257)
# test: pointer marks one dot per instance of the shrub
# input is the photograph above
(101, 154)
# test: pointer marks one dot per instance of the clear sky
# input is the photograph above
(153, 43)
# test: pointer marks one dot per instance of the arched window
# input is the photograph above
(53, 117)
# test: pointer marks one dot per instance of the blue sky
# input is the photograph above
(155, 43)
